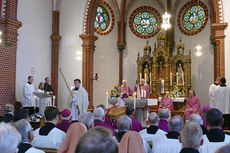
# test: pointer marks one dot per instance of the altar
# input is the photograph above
(141, 106)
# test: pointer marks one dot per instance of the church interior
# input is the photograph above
(173, 45)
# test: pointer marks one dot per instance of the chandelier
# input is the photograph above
(166, 21)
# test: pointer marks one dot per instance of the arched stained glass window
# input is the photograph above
(102, 20)
(145, 23)
(194, 18)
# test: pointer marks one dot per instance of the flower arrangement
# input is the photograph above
(175, 93)
(115, 92)
(35, 117)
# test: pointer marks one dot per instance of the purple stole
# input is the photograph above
(163, 125)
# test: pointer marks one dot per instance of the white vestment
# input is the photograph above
(162, 144)
(150, 137)
(222, 99)
(53, 140)
(34, 150)
(79, 103)
(211, 94)
(212, 147)
(28, 96)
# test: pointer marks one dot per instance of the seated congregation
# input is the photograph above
(93, 133)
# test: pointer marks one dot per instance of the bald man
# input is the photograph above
(191, 138)
(153, 129)
(125, 90)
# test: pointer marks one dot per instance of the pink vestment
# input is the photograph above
(167, 103)
(193, 103)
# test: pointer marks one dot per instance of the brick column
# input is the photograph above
(9, 25)
(88, 48)
(55, 53)
(219, 57)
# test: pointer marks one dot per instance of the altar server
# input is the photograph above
(153, 130)
(125, 90)
(79, 103)
(28, 99)
(212, 88)
(193, 105)
(222, 100)
(167, 102)
(169, 143)
(49, 136)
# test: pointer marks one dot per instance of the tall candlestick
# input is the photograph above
(162, 86)
(140, 77)
(150, 79)
(177, 77)
(135, 100)
(53, 101)
(170, 78)
(107, 99)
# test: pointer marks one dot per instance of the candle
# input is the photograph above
(144, 94)
(177, 77)
(150, 79)
(107, 99)
(162, 86)
(140, 77)
(135, 100)
(53, 101)
(170, 78)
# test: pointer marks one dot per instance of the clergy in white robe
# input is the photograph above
(222, 97)
(28, 99)
(49, 136)
(79, 102)
(169, 143)
(26, 131)
(153, 130)
(215, 138)
(212, 90)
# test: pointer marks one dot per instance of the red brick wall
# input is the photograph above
(8, 49)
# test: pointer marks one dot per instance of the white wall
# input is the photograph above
(226, 5)
(71, 26)
(203, 66)
(106, 64)
(34, 44)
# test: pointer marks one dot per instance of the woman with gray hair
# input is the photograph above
(26, 131)
(9, 138)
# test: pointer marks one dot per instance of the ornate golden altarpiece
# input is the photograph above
(161, 64)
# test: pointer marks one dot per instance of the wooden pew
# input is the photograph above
(47, 150)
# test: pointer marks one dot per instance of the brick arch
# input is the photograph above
(88, 48)
(218, 37)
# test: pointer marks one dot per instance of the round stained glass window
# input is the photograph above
(145, 23)
(194, 18)
(102, 20)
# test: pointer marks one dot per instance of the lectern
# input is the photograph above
(43, 98)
